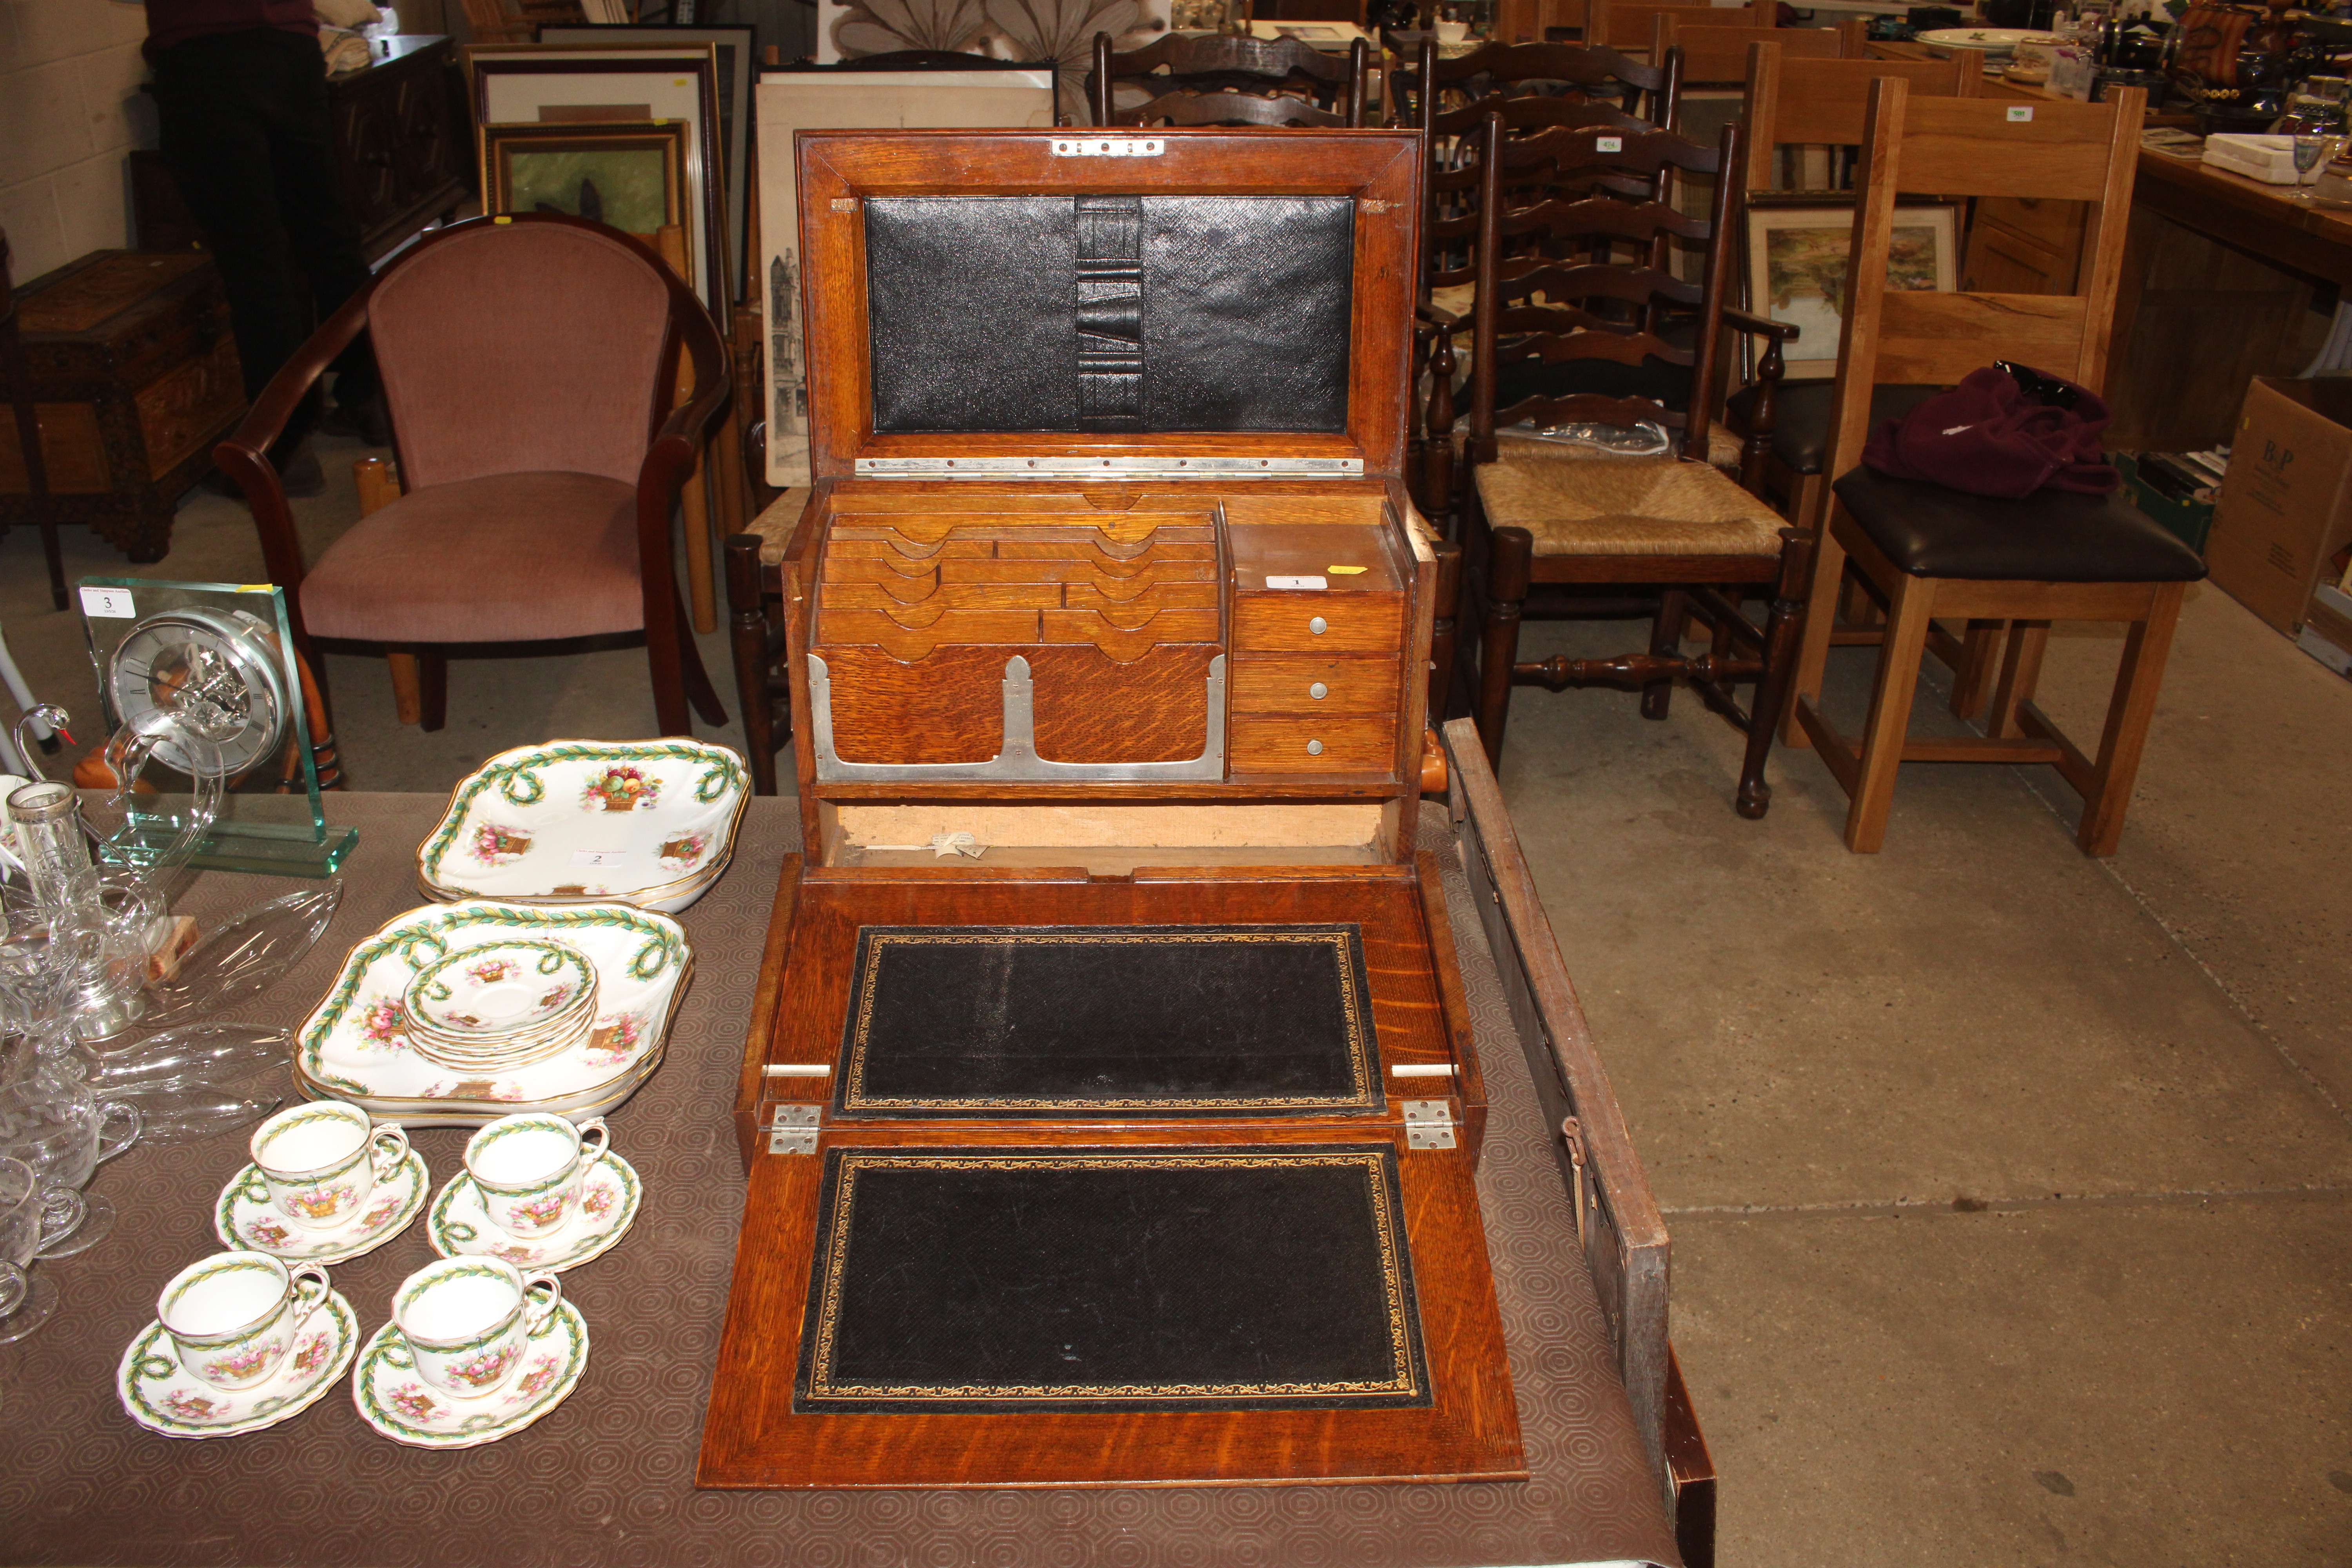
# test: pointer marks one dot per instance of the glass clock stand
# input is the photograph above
(219, 657)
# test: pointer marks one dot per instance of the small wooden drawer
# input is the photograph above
(1313, 687)
(1284, 744)
(908, 607)
(1319, 622)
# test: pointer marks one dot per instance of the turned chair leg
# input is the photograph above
(747, 634)
(1510, 561)
(1781, 624)
(1666, 642)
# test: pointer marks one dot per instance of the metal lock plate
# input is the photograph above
(1429, 1124)
(793, 1132)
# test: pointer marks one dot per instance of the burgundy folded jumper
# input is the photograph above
(1989, 438)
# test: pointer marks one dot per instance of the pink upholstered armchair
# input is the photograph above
(529, 365)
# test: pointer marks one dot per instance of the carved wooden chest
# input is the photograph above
(132, 370)
(1109, 1106)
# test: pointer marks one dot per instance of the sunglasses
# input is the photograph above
(2047, 390)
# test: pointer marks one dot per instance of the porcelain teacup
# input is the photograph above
(466, 1318)
(528, 1168)
(321, 1160)
(232, 1316)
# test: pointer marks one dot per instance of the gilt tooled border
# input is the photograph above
(1364, 1094)
(1407, 1378)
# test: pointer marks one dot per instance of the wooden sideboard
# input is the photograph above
(401, 135)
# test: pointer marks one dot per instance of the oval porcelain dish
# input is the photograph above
(647, 823)
(1994, 42)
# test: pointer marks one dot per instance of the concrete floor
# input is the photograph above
(2008, 1189)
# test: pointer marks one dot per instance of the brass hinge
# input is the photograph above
(793, 1132)
(1573, 1135)
(1429, 1124)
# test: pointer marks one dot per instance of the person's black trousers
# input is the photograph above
(248, 137)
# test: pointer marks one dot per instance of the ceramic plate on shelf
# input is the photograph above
(403, 1406)
(649, 822)
(246, 1221)
(162, 1397)
(355, 1043)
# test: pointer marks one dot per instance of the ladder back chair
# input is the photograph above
(1714, 54)
(1796, 102)
(1924, 550)
(1589, 350)
(1632, 23)
(1534, 88)
(1274, 67)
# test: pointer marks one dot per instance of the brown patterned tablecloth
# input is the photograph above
(608, 1478)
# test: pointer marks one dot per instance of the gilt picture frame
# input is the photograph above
(734, 46)
(630, 174)
(1796, 257)
(594, 85)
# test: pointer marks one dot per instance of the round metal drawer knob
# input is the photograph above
(1318, 691)
(1314, 748)
(1318, 625)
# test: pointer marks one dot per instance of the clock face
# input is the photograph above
(214, 674)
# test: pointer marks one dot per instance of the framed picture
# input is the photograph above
(631, 175)
(1797, 259)
(577, 84)
(1034, 32)
(733, 48)
(838, 98)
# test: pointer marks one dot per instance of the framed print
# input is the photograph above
(580, 84)
(1796, 268)
(842, 99)
(631, 175)
(733, 48)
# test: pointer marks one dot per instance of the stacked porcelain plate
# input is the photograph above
(502, 1004)
(454, 1015)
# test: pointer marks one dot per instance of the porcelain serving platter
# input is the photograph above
(355, 1045)
(1991, 41)
(649, 822)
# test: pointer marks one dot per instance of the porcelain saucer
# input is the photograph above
(164, 1398)
(245, 1220)
(461, 1223)
(403, 1406)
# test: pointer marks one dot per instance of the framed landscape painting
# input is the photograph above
(630, 175)
(1797, 262)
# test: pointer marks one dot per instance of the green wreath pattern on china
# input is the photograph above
(519, 784)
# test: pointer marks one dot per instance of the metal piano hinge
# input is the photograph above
(1110, 147)
(793, 1132)
(1429, 1124)
(1574, 1137)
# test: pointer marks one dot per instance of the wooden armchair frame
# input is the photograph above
(678, 676)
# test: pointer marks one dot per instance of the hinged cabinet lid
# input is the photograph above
(1196, 303)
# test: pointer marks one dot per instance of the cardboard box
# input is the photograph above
(2288, 504)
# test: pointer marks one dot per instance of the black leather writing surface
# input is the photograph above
(1026, 1279)
(983, 1021)
(1109, 313)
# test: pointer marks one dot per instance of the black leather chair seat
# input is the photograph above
(2049, 537)
(1800, 416)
